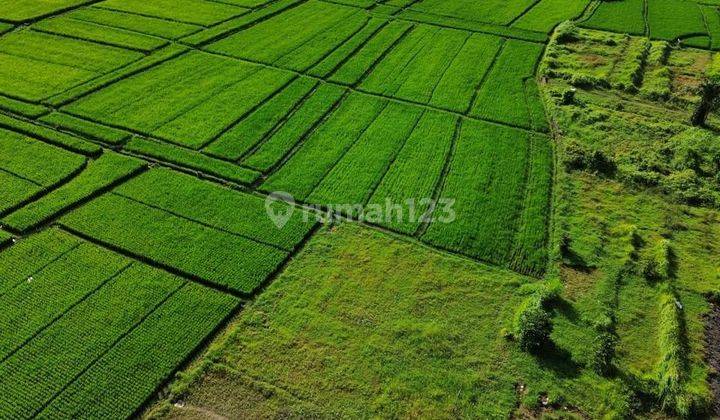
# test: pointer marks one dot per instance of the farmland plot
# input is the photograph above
(498, 12)
(34, 66)
(513, 66)
(499, 182)
(188, 100)
(88, 326)
(29, 168)
(18, 11)
(234, 246)
(624, 16)
(195, 12)
(286, 41)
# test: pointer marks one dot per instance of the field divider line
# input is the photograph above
(354, 51)
(484, 77)
(110, 81)
(24, 178)
(155, 264)
(247, 113)
(278, 125)
(518, 211)
(447, 66)
(440, 183)
(199, 222)
(109, 26)
(233, 31)
(221, 326)
(287, 156)
(320, 34)
(346, 150)
(41, 224)
(523, 13)
(147, 15)
(408, 5)
(46, 189)
(382, 56)
(102, 43)
(46, 265)
(392, 160)
(54, 13)
(216, 90)
(66, 310)
(108, 349)
(498, 33)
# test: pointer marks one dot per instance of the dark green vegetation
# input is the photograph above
(139, 141)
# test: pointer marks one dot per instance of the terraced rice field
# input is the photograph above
(139, 142)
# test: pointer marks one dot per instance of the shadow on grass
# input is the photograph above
(558, 360)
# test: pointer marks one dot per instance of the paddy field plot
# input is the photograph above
(141, 144)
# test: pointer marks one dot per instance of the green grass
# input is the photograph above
(61, 140)
(546, 14)
(197, 12)
(136, 23)
(250, 131)
(363, 59)
(488, 176)
(55, 64)
(674, 19)
(625, 16)
(502, 96)
(25, 10)
(85, 128)
(416, 170)
(191, 160)
(284, 40)
(170, 190)
(298, 124)
(354, 176)
(184, 106)
(100, 175)
(400, 331)
(225, 259)
(456, 88)
(493, 11)
(319, 152)
(101, 34)
(415, 75)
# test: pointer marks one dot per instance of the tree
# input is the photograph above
(709, 91)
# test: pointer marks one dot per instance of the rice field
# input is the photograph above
(142, 145)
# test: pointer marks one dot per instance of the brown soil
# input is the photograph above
(712, 346)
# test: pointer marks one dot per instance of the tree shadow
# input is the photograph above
(558, 360)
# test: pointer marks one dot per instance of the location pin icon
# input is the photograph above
(279, 207)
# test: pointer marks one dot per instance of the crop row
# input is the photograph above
(502, 96)
(189, 100)
(29, 167)
(233, 244)
(287, 41)
(195, 12)
(99, 175)
(87, 328)
(19, 11)
(498, 12)
(34, 65)
(499, 183)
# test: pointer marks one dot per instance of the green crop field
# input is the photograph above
(359, 209)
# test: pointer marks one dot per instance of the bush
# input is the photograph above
(534, 325)
(603, 352)
(566, 32)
